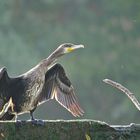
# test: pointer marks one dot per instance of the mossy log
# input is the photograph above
(68, 130)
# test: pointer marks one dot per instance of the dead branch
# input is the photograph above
(130, 95)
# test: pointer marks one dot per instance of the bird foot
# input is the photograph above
(34, 122)
(38, 122)
(20, 122)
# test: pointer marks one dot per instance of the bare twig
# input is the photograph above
(130, 95)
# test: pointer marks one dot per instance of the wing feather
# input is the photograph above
(3, 86)
(57, 86)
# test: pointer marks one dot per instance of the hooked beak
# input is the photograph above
(75, 47)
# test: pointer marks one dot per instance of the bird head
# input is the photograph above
(68, 47)
(61, 50)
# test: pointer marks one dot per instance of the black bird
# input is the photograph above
(45, 81)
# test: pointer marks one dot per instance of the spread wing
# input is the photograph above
(3, 74)
(58, 86)
(3, 84)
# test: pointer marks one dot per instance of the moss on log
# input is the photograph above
(68, 130)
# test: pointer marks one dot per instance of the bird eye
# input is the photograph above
(68, 45)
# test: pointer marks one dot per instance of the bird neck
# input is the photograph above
(45, 63)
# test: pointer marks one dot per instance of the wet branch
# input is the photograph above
(130, 95)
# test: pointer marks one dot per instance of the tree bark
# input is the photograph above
(68, 130)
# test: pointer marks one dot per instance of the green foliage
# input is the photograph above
(30, 30)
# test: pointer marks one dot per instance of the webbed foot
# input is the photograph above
(38, 122)
(19, 122)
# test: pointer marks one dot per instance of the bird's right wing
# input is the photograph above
(4, 113)
(3, 82)
(58, 86)
(3, 71)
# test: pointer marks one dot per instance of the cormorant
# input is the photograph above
(45, 81)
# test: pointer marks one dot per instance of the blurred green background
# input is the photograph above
(110, 30)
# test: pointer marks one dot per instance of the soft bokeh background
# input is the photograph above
(110, 30)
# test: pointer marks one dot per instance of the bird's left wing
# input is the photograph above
(58, 86)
